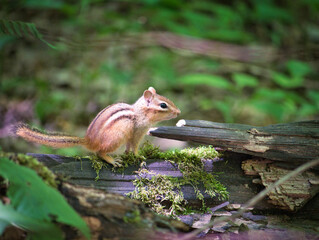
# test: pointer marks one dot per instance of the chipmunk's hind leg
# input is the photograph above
(109, 159)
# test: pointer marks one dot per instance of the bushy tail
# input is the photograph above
(56, 140)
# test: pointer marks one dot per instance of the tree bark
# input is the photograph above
(292, 142)
(112, 216)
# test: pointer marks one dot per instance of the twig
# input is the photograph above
(254, 200)
(214, 209)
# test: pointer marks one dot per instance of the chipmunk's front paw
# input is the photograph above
(117, 162)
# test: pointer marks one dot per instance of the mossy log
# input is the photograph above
(80, 172)
(280, 148)
(241, 187)
(291, 142)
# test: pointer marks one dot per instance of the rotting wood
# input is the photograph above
(293, 142)
(291, 195)
(111, 216)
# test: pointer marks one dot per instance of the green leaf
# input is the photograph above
(6, 26)
(3, 222)
(286, 81)
(274, 109)
(34, 202)
(205, 79)
(298, 69)
(244, 80)
(269, 94)
(16, 28)
(314, 96)
(226, 109)
(265, 11)
(40, 229)
(307, 110)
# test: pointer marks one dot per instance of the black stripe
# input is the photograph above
(97, 116)
(111, 114)
(120, 118)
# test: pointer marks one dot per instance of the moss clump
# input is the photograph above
(127, 159)
(97, 164)
(159, 191)
(31, 162)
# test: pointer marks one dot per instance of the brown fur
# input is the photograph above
(114, 126)
(56, 140)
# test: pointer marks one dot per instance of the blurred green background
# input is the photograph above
(242, 61)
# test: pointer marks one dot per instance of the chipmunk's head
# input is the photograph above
(158, 108)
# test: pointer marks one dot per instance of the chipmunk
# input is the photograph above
(114, 126)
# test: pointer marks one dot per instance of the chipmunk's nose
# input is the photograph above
(178, 112)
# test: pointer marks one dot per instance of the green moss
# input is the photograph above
(133, 217)
(31, 162)
(163, 193)
(97, 164)
(160, 191)
(129, 159)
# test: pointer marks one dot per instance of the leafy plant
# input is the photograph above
(297, 68)
(34, 206)
(30, 162)
(287, 81)
(205, 79)
(244, 80)
(21, 29)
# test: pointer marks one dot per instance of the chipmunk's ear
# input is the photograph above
(148, 95)
(152, 90)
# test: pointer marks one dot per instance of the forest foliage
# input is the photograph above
(36, 213)
(61, 62)
(104, 52)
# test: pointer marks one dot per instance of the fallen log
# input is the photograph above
(291, 142)
(241, 187)
(279, 148)
(112, 216)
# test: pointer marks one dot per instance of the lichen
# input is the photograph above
(31, 162)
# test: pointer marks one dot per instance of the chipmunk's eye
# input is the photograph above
(163, 105)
